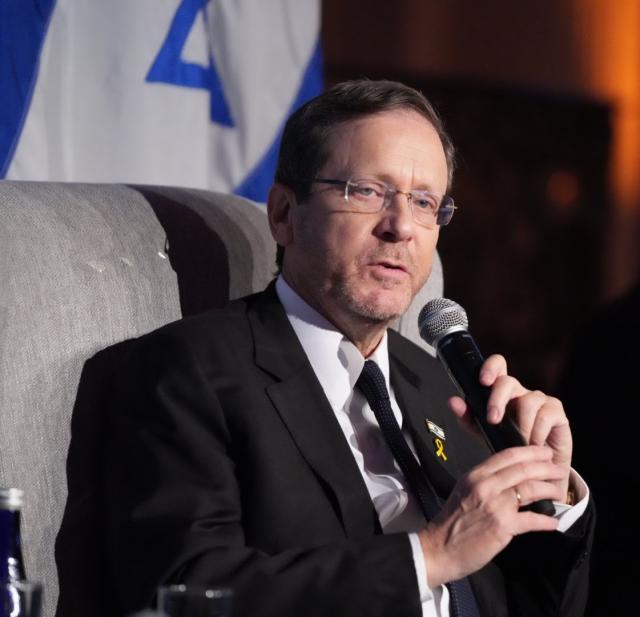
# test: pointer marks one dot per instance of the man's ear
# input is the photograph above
(280, 203)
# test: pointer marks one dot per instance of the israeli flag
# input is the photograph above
(176, 92)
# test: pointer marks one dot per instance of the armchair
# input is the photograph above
(86, 266)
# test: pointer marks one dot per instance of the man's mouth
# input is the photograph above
(392, 265)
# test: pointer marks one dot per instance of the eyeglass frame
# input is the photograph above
(391, 190)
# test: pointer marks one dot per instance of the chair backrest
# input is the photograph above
(84, 266)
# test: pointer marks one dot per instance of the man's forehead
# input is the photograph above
(368, 142)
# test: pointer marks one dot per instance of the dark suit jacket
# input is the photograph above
(225, 465)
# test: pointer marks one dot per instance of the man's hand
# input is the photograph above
(540, 418)
(482, 514)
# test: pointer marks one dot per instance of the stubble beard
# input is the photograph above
(368, 307)
(376, 301)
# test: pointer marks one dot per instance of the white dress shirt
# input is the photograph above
(337, 364)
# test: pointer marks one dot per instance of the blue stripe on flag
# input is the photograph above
(256, 185)
(23, 27)
(169, 68)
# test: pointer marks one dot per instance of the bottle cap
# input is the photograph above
(11, 498)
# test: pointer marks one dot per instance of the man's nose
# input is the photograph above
(397, 223)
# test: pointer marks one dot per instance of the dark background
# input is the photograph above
(521, 89)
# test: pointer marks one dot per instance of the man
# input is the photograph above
(246, 449)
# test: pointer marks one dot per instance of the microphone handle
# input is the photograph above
(463, 360)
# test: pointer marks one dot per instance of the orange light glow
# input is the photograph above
(609, 35)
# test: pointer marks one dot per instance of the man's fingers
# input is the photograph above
(515, 475)
(463, 412)
(504, 390)
(492, 368)
(531, 481)
(521, 455)
(542, 421)
(534, 490)
(549, 417)
(525, 412)
(459, 406)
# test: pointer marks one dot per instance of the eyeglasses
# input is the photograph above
(371, 196)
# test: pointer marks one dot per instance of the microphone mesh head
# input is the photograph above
(439, 317)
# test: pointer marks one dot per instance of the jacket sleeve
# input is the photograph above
(548, 573)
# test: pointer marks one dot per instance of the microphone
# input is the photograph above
(443, 324)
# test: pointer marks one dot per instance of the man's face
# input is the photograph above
(365, 268)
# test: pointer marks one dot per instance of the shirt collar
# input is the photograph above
(335, 360)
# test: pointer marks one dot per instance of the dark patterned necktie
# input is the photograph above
(371, 383)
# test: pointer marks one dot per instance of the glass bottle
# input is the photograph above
(11, 562)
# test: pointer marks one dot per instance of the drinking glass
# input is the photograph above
(190, 601)
(20, 599)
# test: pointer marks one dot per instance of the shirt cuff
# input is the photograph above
(568, 515)
(426, 594)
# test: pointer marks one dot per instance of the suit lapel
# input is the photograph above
(301, 403)
(421, 401)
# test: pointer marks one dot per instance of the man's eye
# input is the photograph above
(365, 190)
(425, 202)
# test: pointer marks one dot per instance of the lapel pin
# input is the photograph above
(435, 429)
(439, 439)
(440, 448)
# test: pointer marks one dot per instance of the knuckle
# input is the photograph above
(474, 494)
(554, 402)
(480, 493)
(469, 480)
(497, 357)
(465, 489)
(472, 478)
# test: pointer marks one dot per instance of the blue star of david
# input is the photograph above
(169, 68)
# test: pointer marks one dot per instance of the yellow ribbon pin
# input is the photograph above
(440, 451)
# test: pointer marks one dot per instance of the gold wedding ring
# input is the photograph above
(518, 497)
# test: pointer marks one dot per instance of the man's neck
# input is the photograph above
(365, 338)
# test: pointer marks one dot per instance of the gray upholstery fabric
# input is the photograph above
(82, 267)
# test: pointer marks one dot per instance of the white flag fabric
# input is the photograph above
(176, 92)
